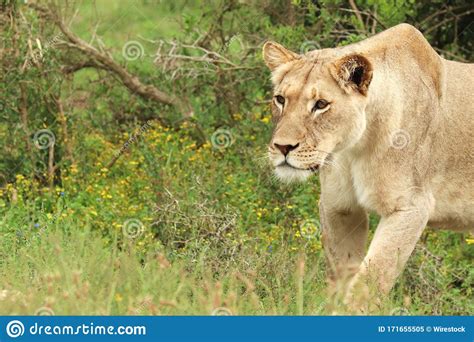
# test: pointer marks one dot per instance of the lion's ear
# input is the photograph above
(275, 55)
(353, 72)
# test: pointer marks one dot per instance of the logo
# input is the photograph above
(44, 139)
(133, 50)
(221, 312)
(222, 138)
(309, 46)
(399, 139)
(310, 229)
(15, 329)
(133, 228)
(44, 311)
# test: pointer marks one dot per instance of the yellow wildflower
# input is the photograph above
(238, 116)
(74, 169)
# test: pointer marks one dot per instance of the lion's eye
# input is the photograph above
(320, 104)
(280, 99)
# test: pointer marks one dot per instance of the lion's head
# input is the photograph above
(318, 107)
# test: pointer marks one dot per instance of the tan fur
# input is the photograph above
(397, 140)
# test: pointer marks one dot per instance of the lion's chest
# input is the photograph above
(367, 185)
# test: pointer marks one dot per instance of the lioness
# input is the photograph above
(389, 124)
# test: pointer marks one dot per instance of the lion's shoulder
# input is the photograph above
(404, 49)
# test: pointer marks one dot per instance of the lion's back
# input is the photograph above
(453, 182)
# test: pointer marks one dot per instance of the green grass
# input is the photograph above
(76, 274)
(79, 273)
(219, 243)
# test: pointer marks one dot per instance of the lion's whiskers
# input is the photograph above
(262, 159)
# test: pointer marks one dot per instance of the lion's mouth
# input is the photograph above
(313, 168)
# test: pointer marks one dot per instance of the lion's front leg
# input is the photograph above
(345, 227)
(344, 240)
(392, 245)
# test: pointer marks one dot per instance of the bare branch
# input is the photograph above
(452, 55)
(367, 13)
(106, 62)
(442, 22)
(357, 13)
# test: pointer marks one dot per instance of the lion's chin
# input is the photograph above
(288, 174)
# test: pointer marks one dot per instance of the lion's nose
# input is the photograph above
(285, 149)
